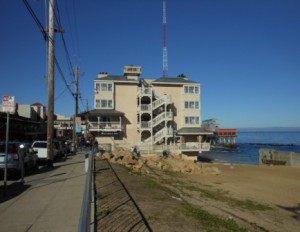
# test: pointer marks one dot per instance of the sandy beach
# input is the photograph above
(256, 198)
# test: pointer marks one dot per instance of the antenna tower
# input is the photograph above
(165, 53)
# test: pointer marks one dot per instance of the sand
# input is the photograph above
(273, 190)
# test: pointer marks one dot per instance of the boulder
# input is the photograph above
(171, 163)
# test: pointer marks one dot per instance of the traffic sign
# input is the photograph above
(8, 104)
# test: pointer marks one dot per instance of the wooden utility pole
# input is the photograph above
(76, 110)
(50, 111)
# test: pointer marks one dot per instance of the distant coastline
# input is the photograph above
(269, 129)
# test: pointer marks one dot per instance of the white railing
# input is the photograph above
(176, 148)
(205, 146)
(95, 126)
(161, 117)
(146, 125)
(145, 107)
(195, 146)
(158, 103)
(158, 119)
(159, 135)
(145, 91)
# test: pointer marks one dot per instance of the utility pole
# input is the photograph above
(74, 140)
(50, 85)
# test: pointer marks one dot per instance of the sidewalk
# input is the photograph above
(50, 200)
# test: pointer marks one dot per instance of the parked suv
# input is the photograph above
(41, 148)
(15, 152)
(61, 149)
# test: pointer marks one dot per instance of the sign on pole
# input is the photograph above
(78, 124)
(8, 104)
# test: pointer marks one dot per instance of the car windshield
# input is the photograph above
(40, 145)
(11, 148)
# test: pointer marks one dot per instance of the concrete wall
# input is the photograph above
(292, 158)
(126, 102)
(25, 111)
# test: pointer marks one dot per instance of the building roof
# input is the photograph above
(194, 131)
(116, 78)
(174, 80)
(103, 113)
(37, 104)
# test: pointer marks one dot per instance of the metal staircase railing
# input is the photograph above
(161, 100)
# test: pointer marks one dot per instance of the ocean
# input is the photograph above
(249, 143)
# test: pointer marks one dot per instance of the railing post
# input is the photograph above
(85, 214)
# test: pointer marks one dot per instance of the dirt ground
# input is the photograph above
(240, 198)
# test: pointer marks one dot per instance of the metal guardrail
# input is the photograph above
(88, 195)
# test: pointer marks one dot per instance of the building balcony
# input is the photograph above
(194, 147)
(105, 126)
(178, 147)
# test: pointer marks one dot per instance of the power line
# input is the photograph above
(62, 75)
(37, 21)
(47, 37)
(57, 16)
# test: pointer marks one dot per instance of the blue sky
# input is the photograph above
(245, 54)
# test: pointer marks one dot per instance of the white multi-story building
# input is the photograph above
(153, 114)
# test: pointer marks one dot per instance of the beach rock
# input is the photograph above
(172, 163)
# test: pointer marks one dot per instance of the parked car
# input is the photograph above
(61, 149)
(41, 148)
(16, 151)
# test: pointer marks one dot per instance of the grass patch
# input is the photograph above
(103, 213)
(170, 173)
(152, 218)
(100, 196)
(251, 205)
(222, 196)
(212, 222)
(154, 185)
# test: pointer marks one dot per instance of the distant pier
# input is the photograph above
(225, 136)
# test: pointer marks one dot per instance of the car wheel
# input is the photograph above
(36, 166)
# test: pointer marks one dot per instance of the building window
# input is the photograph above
(191, 105)
(191, 89)
(186, 89)
(103, 87)
(192, 120)
(104, 104)
(97, 87)
(97, 104)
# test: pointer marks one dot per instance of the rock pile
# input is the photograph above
(146, 164)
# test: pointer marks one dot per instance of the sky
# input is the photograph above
(245, 54)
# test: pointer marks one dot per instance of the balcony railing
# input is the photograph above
(187, 147)
(105, 126)
(146, 125)
(145, 107)
(161, 117)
